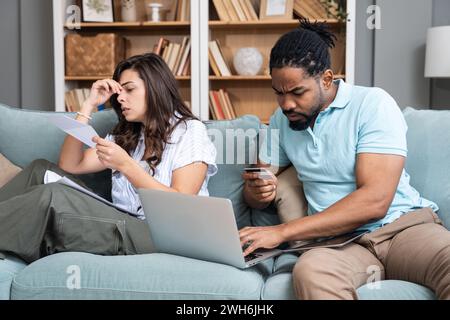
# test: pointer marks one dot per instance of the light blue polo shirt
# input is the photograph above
(359, 120)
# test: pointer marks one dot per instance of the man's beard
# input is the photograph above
(301, 125)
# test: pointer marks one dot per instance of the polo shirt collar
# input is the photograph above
(343, 95)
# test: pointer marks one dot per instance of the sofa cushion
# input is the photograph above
(265, 217)
(152, 276)
(7, 170)
(9, 267)
(236, 144)
(279, 285)
(395, 290)
(27, 135)
(428, 156)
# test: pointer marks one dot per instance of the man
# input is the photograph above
(348, 147)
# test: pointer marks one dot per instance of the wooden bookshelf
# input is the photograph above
(140, 38)
(106, 25)
(256, 78)
(95, 78)
(242, 78)
(254, 94)
(217, 24)
(249, 95)
(164, 25)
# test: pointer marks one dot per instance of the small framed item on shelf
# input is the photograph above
(98, 10)
(276, 9)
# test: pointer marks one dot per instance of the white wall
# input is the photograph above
(440, 88)
(10, 91)
(400, 51)
(26, 55)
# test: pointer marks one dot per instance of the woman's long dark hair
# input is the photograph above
(163, 104)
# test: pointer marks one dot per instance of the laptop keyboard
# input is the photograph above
(252, 256)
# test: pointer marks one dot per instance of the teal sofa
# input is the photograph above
(25, 136)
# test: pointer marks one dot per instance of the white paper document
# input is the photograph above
(78, 130)
(51, 177)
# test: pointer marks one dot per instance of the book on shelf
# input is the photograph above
(213, 64)
(302, 10)
(175, 55)
(179, 55)
(221, 10)
(230, 105)
(74, 99)
(172, 14)
(256, 4)
(187, 66)
(224, 105)
(160, 45)
(183, 10)
(214, 100)
(216, 52)
(318, 8)
(188, 10)
(220, 105)
(231, 11)
(311, 9)
(212, 113)
(239, 11)
(235, 10)
(244, 8)
(185, 54)
(166, 52)
(251, 10)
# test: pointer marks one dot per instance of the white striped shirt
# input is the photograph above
(188, 143)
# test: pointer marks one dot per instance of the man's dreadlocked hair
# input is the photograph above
(306, 47)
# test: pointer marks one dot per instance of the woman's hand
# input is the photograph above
(261, 237)
(101, 91)
(111, 155)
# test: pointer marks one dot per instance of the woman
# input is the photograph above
(157, 144)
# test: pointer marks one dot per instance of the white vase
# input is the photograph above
(129, 12)
(248, 61)
(155, 12)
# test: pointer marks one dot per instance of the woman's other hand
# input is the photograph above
(111, 155)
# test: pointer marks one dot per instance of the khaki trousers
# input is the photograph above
(415, 248)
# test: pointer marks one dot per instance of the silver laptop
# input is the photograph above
(197, 227)
(205, 228)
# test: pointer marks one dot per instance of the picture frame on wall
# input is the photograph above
(98, 10)
(276, 10)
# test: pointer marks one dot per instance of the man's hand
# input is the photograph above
(261, 237)
(111, 155)
(261, 191)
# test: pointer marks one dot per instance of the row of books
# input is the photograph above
(220, 105)
(180, 11)
(217, 60)
(176, 55)
(311, 9)
(74, 99)
(235, 10)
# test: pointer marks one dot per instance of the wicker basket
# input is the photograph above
(93, 55)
